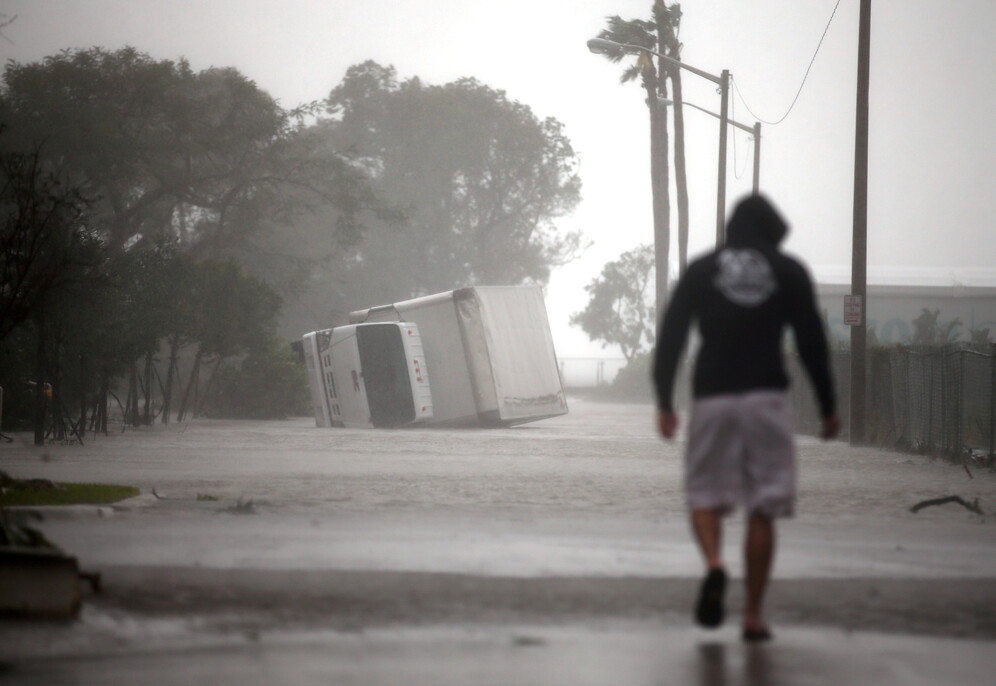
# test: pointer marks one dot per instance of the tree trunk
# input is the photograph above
(56, 408)
(659, 173)
(105, 392)
(680, 177)
(199, 408)
(668, 21)
(41, 401)
(82, 422)
(191, 387)
(174, 356)
(85, 377)
(147, 409)
(131, 402)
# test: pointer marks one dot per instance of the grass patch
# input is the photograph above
(34, 492)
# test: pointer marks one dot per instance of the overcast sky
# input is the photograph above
(932, 137)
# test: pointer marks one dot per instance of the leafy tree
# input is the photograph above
(258, 167)
(181, 328)
(305, 254)
(618, 311)
(146, 298)
(480, 180)
(632, 382)
(42, 236)
(47, 252)
(207, 159)
(236, 313)
(97, 331)
(928, 330)
(179, 167)
(103, 114)
(269, 383)
(980, 337)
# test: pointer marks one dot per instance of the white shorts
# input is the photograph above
(741, 451)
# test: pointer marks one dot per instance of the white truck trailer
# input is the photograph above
(489, 354)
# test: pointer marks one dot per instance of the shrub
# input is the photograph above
(267, 384)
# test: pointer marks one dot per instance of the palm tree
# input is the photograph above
(668, 22)
(658, 35)
(645, 35)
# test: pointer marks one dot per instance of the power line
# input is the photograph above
(738, 174)
(805, 76)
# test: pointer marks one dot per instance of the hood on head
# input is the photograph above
(755, 221)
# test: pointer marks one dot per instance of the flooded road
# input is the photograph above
(253, 543)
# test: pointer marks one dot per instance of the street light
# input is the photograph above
(603, 45)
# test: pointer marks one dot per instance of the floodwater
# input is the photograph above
(554, 552)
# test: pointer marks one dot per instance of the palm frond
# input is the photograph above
(630, 74)
(634, 32)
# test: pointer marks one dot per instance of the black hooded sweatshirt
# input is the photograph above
(742, 297)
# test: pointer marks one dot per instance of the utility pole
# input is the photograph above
(754, 131)
(724, 106)
(757, 157)
(859, 244)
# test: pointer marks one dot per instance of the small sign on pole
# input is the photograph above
(854, 314)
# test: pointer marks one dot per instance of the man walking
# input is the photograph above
(740, 439)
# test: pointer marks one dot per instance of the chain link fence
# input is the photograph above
(923, 399)
(589, 372)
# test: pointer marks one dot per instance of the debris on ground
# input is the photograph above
(242, 507)
(971, 507)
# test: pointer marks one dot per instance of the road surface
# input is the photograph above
(555, 552)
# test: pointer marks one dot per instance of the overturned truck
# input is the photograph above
(479, 356)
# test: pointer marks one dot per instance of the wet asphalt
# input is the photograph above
(554, 553)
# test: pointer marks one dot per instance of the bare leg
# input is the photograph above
(759, 551)
(707, 526)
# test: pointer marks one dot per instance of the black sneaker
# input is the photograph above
(709, 610)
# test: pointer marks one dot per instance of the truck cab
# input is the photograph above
(369, 375)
